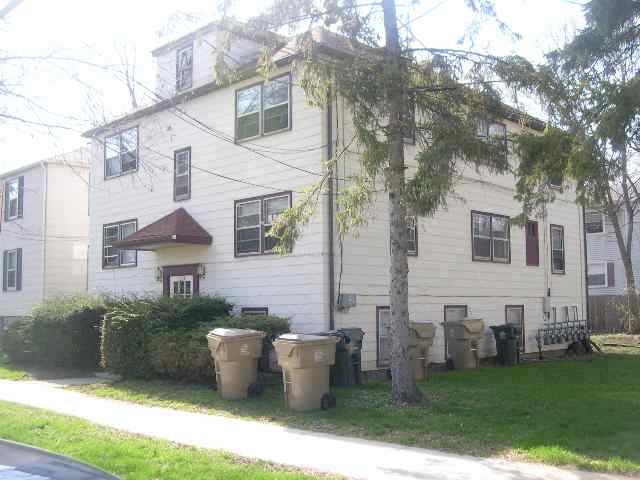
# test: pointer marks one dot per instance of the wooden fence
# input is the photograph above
(608, 314)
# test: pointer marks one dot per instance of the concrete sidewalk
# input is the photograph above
(353, 458)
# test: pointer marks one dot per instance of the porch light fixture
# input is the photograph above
(202, 270)
(158, 274)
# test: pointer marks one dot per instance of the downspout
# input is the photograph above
(44, 229)
(330, 213)
(586, 273)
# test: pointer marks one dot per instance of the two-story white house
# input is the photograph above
(607, 281)
(183, 193)
(44, 226)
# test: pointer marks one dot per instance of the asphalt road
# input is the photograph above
(20, 462)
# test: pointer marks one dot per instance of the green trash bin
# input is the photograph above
(507, 344)
(347, 370)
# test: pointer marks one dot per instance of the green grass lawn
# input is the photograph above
(10, 372)
(130, 457)
(569, 413)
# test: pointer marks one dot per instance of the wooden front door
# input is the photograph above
(180, 281)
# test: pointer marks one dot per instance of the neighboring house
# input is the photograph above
(606, 276)
(184, 192)
(44, 226)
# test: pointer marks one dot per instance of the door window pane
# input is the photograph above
(384, 336)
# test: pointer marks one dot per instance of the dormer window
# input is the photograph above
(184, 68)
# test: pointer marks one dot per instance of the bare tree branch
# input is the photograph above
(11, 5)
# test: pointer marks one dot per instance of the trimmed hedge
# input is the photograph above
(160, 337)
(16, 341)
(131, 325)
(62, 332)
(182, 355)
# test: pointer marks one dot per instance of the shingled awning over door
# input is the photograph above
(177, 228)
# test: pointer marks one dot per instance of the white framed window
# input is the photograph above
(113, 257)
(593, 222)
(184, 68)
(13, 189)
(412, 236)
(11, 270)
(253, 220)
(597, 275)
(493, 132)
(490, 237)
(557, 249)
(264, 108)
(121, 153)
(182, 174)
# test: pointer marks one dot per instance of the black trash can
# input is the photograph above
(347, 369)
(507, 344)
(354, 348)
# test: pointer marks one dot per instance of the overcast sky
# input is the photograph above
(74, 94)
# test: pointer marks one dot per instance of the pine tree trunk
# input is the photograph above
(403, 388)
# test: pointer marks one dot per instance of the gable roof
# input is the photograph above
(322, 39)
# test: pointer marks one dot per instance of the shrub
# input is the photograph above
(130, 328)
(16, 341)
(127, 330)
(62, 332)
(271, 325)
(183, 355)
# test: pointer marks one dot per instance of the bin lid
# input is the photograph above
(234, 333)
(423, 329)
(306, 338)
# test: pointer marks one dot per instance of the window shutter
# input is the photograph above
(6, 204)
(532, 245)
(4, 271)
(611, 274)
(20, 195)
(19, 269)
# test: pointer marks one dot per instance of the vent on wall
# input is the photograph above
(346, 300)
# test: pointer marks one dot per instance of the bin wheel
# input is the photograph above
(325, 401)
(254, 390)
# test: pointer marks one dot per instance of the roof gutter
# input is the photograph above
(330, 219)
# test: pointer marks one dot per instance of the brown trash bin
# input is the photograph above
(305, 362)
(235, 353)
(463, 338)
(420, 342)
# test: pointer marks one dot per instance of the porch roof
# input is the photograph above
(175, 229)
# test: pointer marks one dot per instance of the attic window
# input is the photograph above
(493, 132)
(184, 68)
